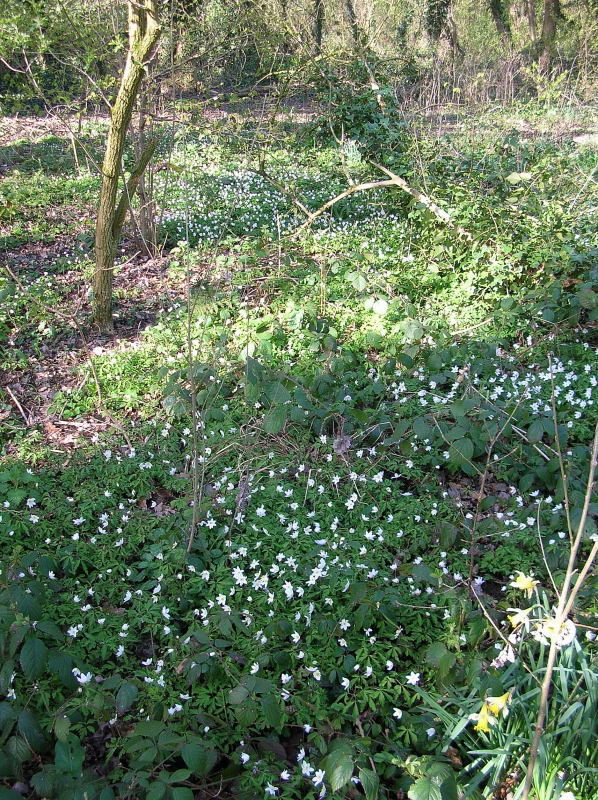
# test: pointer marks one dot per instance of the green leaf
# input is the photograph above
(182, 793)
(339, 768)
(358, 280)
(150, 727)
(62, 726)
(424, 789)
(275, 419)
(33, 657)
(435, 653)
(126, 696)
(413, 329)
(272, 712)
(238, 694)
(156, 791)
(535, 431)
(43, 783)
(50, 629)
(254, 370)
(30, 730)
(199, 760)
(8, 794)
(179, 776)
(276, 393)
(370, 782)
(61, 665)
(68, 757)
(461, 450)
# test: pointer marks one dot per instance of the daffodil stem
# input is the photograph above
(566, 599)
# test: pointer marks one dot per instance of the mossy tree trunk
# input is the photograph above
(548, 34)
(144, 33)
(499, 9)
(318, 24)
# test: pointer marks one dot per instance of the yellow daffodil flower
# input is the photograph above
(483, 719)
(498, 704)
(520, 616)
(524, 583)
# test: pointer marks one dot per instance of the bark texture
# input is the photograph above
(318, 24)
(144, 33)
(500, 14)
(548, 34)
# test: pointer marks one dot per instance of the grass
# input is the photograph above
(373, 464)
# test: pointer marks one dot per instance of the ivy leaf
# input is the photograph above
(33, 657)
(424, 789)
(125, 697)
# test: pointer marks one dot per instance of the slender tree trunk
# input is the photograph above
(530, 6)
(453, 35)
(360, 41)
(147, 215)
(144, 33)
(548, 34)
(318, 24)
(500, 14)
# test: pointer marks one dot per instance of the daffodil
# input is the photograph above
(525, 583)
(520, 616)
(547, 629)
(498, 704)
(484, 720)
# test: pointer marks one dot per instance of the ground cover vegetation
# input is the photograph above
(307, 508)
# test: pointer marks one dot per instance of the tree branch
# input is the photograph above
(131, 186)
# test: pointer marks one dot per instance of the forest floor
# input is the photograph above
(267, 537)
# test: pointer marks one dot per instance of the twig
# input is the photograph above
(17, 404)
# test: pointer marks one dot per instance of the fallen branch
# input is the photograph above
(392, 180)
(424, 200)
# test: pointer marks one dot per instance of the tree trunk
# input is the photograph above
(531, 18)
(453, 36)
(359, 37)
(500, 14)
(147, 212)
(548, 33)
(318, 24)
(144, 33)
